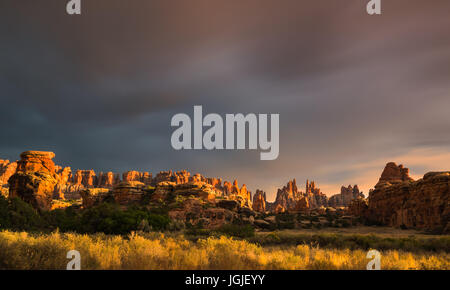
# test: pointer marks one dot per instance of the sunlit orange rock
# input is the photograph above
(35, 179)
(7, 169)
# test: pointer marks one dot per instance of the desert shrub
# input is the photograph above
(274, 237)
(195, 232)
(146, 198)
(230, 230)
(354, 242)
(241, 231)
(19, 215)
(158, 222)
(108, 218)
(67, 219)
(4, 213)
(162, 252)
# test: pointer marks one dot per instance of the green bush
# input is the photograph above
(109, 218)
(19, 215)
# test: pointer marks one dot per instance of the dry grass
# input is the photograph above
(157, 251)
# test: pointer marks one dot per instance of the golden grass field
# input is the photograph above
(158, 251)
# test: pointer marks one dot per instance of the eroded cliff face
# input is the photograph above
(399, 201)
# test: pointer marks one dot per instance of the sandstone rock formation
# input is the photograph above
(345, 197)
(259, 201)
(7, 169)
(358, 207)
(394, 174)
(289, 196)
(144, 177)
(302, 204)
(93, 196)
(35, 179)
(128, 192)
(108, 179)
(87, 178)
(315, 197)
(194, 212)
(74, 185)
(399, 201)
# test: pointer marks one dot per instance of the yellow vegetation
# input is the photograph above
(157, 251)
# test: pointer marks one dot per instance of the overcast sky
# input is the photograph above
(353, 91)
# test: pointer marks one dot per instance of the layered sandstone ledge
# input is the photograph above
(399, 201)
(421, 204)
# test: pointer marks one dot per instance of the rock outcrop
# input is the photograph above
(287, 197)
(93, 196)
(144, 177)
(108, 179)
(302, 204)
(194, 212)
(394, 174)
(259, 201)
(290, 198)
(345, 197)
(128, 192)
(35, 179)
(358, 207)
(399, 201)
(315, 197)
(87, 178)
(69, 185)
(7, 169)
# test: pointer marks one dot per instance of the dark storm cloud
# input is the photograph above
(352, 90)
